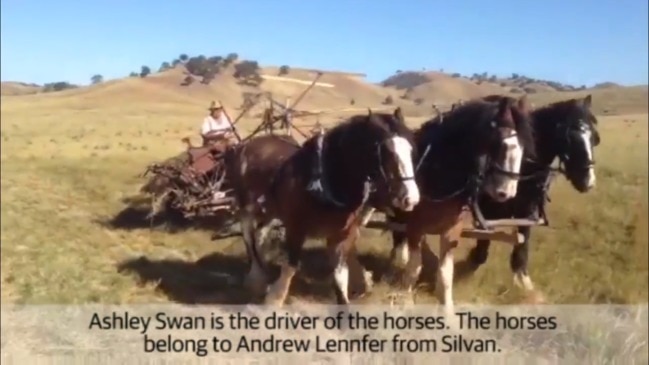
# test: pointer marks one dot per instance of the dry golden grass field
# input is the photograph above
(69, 159)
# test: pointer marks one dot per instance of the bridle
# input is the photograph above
(566, 134)
(488, 166)
(382, 174)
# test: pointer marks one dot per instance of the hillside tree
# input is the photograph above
(246, 69)
(230, 59)
(284, 70)
(145, 71)
(58, 86)
(164, 66)
(215, 60)
(96, 79)
(198, 65)
(183, 57)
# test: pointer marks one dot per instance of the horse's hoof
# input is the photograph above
(401, 299)
(273, 297)
(534, 297)
(273, 301)
(393, 277)
(409, 300)
(254, 287)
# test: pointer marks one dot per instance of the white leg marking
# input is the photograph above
(524, 281)
(445, 276)
(401, 255)
(262, 233)
(403, 151)
(366, 214)
(341, 276)
(586, 136)
(513, 161)
(413, 267)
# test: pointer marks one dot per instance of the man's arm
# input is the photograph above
(205, 127)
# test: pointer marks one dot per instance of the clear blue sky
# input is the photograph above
(573, 41)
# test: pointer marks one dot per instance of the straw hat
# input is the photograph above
(213, 106)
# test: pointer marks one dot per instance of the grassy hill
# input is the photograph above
(18, 88)
(445, 89)
(415, 92)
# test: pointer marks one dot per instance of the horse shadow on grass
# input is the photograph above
(217, 278)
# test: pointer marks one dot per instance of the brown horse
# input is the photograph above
(564, 130)
(250, 168)
(478, 146)
(343, 164)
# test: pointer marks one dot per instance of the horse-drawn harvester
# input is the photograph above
(195, 184)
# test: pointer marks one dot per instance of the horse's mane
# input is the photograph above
(387, 121)
(458, 126)
(454, 138)
(561, 111)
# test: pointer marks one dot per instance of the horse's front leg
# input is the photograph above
(518, 263)
(412, 270)
(479, 254)
(279, 289)
(255, 280)
(448, 242)
(399, 254)
(339, 246)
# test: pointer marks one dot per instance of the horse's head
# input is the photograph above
(394, 173)
(505, 136)
(574, 136)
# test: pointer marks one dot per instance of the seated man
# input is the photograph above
(216, 127)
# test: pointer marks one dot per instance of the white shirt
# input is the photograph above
(215, 125)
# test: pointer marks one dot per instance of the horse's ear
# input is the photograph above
(588, 101)
(369, 111)
(398, 114)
